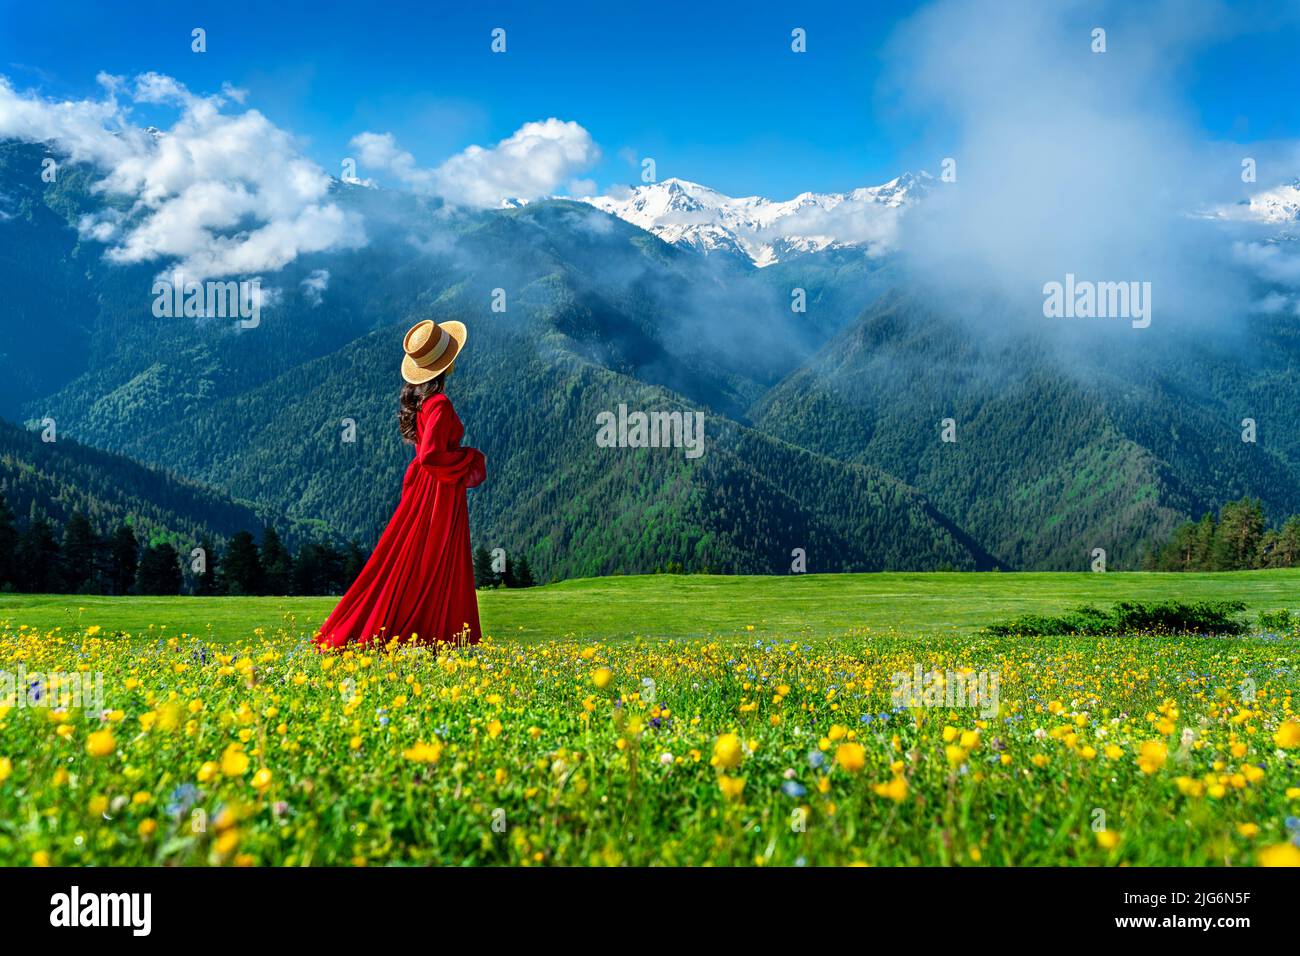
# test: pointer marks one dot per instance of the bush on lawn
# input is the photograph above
(1132, 617)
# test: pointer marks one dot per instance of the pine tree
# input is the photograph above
(332, 569)
(1181, 552)
(38, 559)
(207, 582)
(242, 568)
(484, 576)
(123, 558)
(160, 570)
(1286, 553)
(1202, 551)
(1238, 540)
(321, 569)
(354, 559)
(277, 564)
(1266, 554)
(78, 554)
(8, 546)
(1237, 537)
(523, 574)
(309, 571)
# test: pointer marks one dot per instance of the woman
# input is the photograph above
(419, 583)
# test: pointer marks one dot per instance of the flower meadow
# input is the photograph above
(265, 752)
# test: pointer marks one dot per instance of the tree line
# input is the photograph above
(505, 573)
(38, 560)
(1238, 539)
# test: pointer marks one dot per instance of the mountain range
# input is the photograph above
(761, 230)
(824, 428)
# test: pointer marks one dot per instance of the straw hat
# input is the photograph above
(431, 349)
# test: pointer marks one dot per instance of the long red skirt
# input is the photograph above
(419, 583)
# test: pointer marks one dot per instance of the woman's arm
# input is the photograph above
(452, 466)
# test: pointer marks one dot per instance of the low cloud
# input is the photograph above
(529, 164)
(380, 151)
(1069, 160)
(314, 286)
(869, 224)
(1272, 261)
(216, 194)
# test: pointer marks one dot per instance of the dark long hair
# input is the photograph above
(408, 405)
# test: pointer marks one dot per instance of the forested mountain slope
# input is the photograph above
(823, 381)
(1056, 453)
(63, 477)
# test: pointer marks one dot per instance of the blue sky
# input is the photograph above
(710, 90)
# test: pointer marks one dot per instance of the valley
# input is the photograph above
(819, 427)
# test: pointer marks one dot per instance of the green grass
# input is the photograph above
(566, 740)
(698, 606)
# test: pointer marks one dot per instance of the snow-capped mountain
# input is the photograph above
(1276, 205)
(763, 230)
(1270, 206)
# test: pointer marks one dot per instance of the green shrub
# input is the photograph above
(1131, 617)
(1282, 620)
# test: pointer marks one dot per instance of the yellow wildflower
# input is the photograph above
(727, 752)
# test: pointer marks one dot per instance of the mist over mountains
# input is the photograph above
(823, 427)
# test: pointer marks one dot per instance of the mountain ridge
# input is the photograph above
(822, 421)
(761, 230)
(56, 479)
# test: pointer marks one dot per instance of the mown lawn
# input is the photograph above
(697, 606)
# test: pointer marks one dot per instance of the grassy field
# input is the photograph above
(656, 720)
(698, 606)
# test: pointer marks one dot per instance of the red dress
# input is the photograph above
(419, 583)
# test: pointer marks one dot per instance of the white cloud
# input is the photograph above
(158, 88)
(101, 226)
(1277, 262)
(314, 286)
(232, 92)
(582, 187)
(1271, 304)
(1069, 161)
(871, 224)
(380, 151)
(530, 163)
(215, 194)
